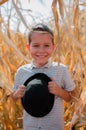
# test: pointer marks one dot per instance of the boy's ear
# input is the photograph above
(28, 46)
(54, 46)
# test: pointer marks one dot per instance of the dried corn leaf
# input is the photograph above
(3, 1)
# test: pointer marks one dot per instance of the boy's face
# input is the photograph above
(41, 48)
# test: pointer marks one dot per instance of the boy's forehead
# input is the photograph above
(41, 32)
(37, 31)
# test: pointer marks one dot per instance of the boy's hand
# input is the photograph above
(53, 87)
(57, 91)
(19, 93)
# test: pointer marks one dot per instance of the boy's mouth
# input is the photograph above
(41, 56)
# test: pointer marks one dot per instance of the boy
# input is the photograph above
(41, 47)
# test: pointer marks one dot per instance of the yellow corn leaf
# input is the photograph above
(3, 1)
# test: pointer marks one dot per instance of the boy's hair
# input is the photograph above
(40, 28)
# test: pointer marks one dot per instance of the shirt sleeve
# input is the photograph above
(68, 82)
(16, 83)
(17, 79)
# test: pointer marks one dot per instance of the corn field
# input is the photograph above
(68, 21)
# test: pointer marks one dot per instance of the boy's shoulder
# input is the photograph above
(56, 64)
(59, 66)
(24, 67)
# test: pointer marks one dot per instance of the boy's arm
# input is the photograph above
(58, 91)
(66, 95)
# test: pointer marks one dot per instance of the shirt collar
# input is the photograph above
(47, 65)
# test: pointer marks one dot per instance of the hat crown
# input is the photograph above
(37, 100)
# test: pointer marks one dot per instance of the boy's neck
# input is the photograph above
(41, 65)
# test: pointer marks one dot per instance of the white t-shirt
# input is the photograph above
(54, 120)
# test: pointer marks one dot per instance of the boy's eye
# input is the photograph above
(35, 45)
(47, 45)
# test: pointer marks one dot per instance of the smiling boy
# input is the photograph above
(41, 47)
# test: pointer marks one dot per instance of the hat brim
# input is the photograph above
(47, 108)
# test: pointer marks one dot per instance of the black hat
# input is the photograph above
(37, 101)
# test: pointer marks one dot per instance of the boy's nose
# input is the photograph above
(41, 49)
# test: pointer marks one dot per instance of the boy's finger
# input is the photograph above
(52, 78)
(21, 86)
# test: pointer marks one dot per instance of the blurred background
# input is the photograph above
(67, 18)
